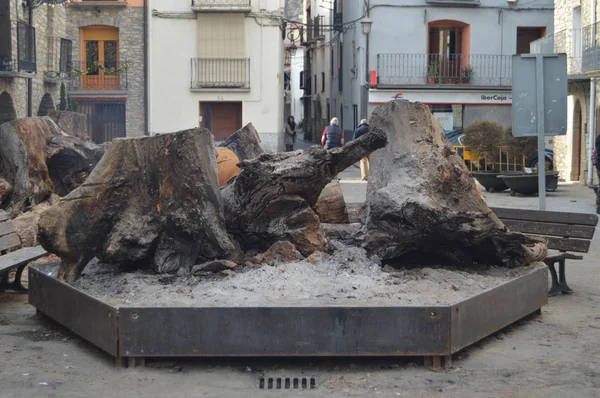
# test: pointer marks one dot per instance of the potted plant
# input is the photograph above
(433, 73)
(484, 139)
(466, 74)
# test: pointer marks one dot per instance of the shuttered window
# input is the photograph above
(221, 35)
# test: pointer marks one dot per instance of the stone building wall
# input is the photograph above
(46, 21)
(130, 21)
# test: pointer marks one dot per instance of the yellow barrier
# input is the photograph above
(505, 160)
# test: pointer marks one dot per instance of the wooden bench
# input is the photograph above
(15, 259)
(565, 232)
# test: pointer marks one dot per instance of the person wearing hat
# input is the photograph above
(363, 128)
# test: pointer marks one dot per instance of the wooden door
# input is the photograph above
(577, 135)
(221, 118)
(100, 58)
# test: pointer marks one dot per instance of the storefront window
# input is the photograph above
(449, 115)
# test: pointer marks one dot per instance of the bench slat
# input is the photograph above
(9, 241)
(21, 256)
(571, 245)
(544, 228)
(546, 216)
(6, 227)
(3, 215)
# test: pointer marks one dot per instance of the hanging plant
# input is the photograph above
(96, 66)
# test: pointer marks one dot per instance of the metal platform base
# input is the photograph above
(434, 332)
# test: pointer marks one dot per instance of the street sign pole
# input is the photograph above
(541, 166)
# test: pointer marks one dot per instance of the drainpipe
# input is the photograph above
(367, 75)
(592, 124)
(30, 79)
(146, 62)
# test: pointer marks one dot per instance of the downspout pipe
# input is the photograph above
(30, 79)
(146, 62)
(592, 124)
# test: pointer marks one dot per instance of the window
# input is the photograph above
(341, 68)
(66, 55)
(26, 47)
(355, 115)
(5, 36)
(322, 82)
(315, 83)
(328, 110)
(302, 80)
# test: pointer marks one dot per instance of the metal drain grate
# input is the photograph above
(287, 383)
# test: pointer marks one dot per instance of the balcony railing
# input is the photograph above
(93, 76)
(220, 73)
(6, 64)
(591, 49)
(222, 5)
(26, 47)
(568, 41)
(59, 63)
(436, 69)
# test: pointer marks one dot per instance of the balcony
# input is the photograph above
(436, 69)
(88, 77)
(222, 6)
(26, 47)
(591, 50)
(98, 3)
(60, 63)
(568, 41)
(318, 31)
(221, 74)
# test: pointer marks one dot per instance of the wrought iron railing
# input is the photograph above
(6, 64)
(435, 69)
(26, 47)
(568, 41)
(591, 48)
(232, 73)
(227, 4)
(59, 62)
(93, 76)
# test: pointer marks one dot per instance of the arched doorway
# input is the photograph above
(577, 154)
(46, 105)
(7, 108)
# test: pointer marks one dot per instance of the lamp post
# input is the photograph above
(366, 27)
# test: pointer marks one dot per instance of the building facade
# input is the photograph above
(576, 34)
(454, 55)
(34, 55)
(108, 78)
(217, 64)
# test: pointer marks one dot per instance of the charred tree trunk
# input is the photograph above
(245, 143)
(37, 159)
(423, 204)
(150, 202)
(272, 197)
(331, 206)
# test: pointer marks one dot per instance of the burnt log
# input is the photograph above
(151, 202)
(245, 143)
(423, 205)
(331, 206)
(37, 159)
(272, 197)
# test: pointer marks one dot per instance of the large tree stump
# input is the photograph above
(150, 202)
(423, 204)
(272, 197)
(245, 143)
(37, 159)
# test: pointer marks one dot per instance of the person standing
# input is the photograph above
(290, 134)
(596, 161)
(333, 135)
(363, 128)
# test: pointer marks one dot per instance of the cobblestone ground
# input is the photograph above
(552, 355)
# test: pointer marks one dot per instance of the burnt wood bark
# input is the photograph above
(37, 159)
(150, 202)
(272, 197)
(245, 143)
(423, 204)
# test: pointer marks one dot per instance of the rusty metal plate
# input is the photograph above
(90, 318)
(484, 314)
(284, 331)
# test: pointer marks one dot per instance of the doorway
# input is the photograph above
(526, 35)
(101, 58)
(221, 118)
